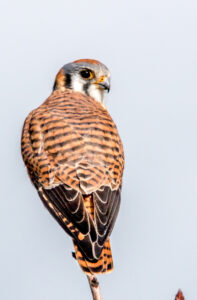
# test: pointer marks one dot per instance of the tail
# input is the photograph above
(103, 265)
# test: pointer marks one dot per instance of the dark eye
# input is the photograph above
(87, 74)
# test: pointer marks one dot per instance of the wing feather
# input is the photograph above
(88, 233)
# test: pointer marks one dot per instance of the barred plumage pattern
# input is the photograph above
(74, 157)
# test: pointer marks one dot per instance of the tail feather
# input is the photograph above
(103, 265)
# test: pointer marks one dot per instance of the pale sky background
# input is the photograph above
(151, 49)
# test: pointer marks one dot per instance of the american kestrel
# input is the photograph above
(74, 157)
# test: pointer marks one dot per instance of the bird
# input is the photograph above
(75, 159)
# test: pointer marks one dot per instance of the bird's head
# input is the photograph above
(87, 76)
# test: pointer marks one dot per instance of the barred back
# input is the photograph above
(72, 149)
(72, 129)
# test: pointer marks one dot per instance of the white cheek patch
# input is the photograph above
(77, 84)
(93, 91)
(96, 93)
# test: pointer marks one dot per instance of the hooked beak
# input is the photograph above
(103, 83)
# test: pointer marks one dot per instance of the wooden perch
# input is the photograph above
(94, 286)
(179, 295)
(96, 292)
